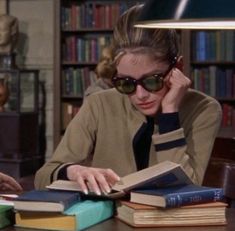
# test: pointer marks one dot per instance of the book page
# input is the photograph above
(160, 175)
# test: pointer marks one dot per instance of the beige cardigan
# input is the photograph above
(101, 135)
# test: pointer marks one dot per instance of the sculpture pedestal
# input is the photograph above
(19, 154)
(7, 61)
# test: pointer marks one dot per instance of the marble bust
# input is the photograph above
(8, 33)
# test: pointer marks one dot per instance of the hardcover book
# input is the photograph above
(78, 217)
(139, 215)
(45, 200)
(166, 173)
(176, 196)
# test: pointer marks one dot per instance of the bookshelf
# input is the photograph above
(82, 29)
(212, 61)
(213, 72)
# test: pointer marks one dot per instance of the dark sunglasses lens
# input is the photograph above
(153, 83)
(126, 86)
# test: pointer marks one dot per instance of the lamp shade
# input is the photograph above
(188, 14)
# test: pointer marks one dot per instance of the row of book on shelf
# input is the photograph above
(215, 81)
(91, 14)
(213, 46)
(160, 195)
(228, 118)
(69, 110)
(76, 80)
(85, 48)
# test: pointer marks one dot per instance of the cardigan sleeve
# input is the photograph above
(191, 145)
(76, 146)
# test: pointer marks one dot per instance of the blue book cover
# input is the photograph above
(45, 200)
(90, 212)
(201, 40)
(176, 196)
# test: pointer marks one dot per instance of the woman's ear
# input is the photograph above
(180, 64)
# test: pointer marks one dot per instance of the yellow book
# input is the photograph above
(80, 216)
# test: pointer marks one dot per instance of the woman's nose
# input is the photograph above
(141, 93)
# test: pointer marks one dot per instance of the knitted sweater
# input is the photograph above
(101, 135)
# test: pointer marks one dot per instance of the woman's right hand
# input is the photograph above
(8, 183)
(97, 180)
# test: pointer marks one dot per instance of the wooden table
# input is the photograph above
(116, 225)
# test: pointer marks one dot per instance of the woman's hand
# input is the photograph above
(178, 85)
(93, 179)
(8, 183)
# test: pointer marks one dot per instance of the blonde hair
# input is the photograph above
(161, 44)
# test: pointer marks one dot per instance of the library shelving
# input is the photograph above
(213, 72)
(82, 29)
(209, 59)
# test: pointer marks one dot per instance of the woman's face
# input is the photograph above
(137, 66)
(5, 33)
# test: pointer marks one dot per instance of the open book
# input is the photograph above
(164, 174)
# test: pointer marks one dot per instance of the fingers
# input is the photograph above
(177, 84)
(177, 78)
(93, 179)
(16, 186)
(8, 183)
(111, 176)
(5, 186)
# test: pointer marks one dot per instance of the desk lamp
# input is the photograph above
(188, 14)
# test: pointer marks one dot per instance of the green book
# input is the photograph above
(78, 217)
(6, 215)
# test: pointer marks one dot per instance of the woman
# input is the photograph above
(151, 116)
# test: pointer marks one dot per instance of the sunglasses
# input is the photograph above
(152, 83)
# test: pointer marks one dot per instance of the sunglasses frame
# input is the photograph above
(137, 82)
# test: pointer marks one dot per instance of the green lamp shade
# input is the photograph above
(188, 14)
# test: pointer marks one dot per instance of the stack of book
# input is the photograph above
(182, 205)
(59, 210)
(163, 195)
(140, 215)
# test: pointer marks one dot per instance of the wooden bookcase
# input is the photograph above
(209, 58)
(223, 152)
(82, 29)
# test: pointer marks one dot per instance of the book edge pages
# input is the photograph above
(38, 206)
(221, 223)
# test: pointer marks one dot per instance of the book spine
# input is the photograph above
(190, 198)
(71, 201)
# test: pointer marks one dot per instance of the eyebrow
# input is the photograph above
(144, 75)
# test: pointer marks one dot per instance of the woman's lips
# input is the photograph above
(146, 105)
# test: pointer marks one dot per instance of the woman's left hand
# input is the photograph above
(178, 85)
